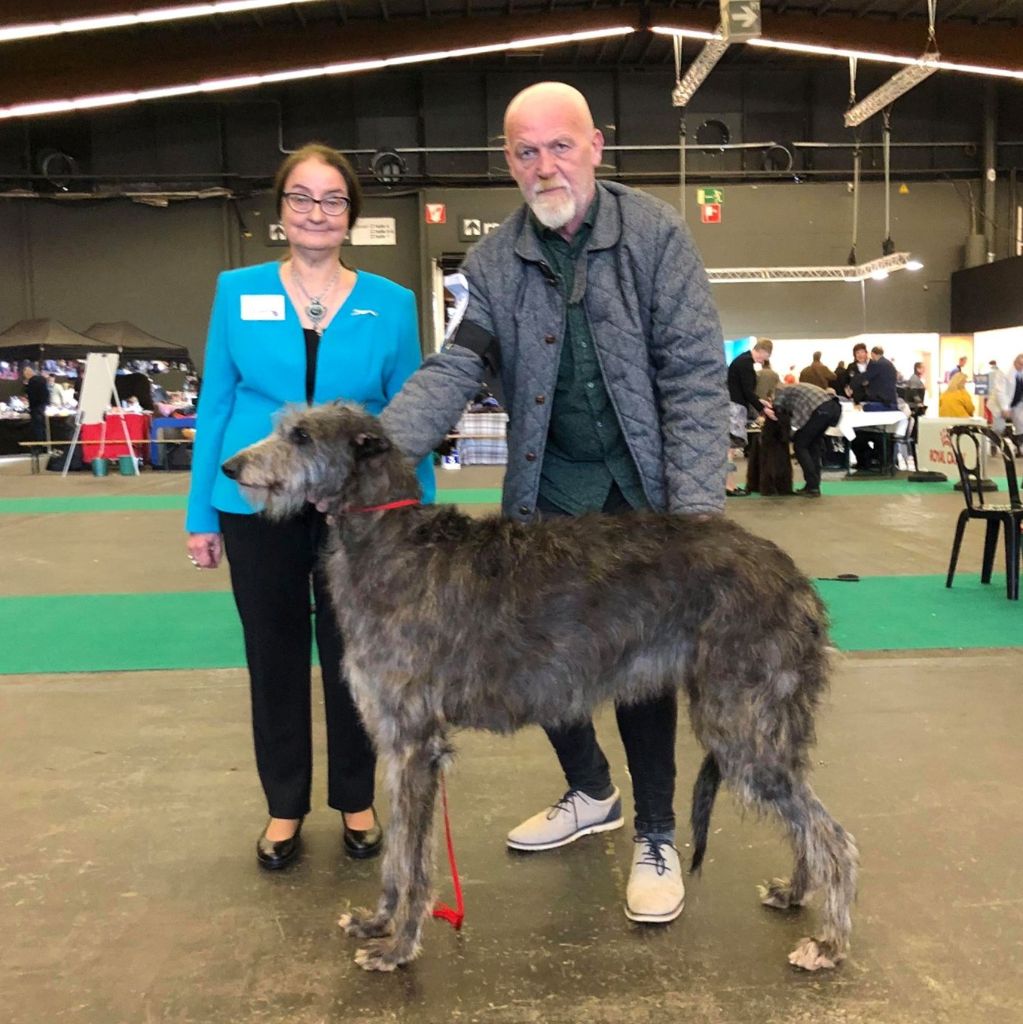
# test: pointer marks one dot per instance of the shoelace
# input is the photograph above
(564, 805)
(652, 856)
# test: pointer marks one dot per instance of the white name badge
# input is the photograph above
(262, 307)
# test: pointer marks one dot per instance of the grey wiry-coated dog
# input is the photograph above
(490, 624)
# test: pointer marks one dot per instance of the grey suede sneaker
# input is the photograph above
(656, 893)
(575, 815)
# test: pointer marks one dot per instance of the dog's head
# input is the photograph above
(314, 455)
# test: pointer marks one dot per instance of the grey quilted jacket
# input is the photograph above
(655, 331)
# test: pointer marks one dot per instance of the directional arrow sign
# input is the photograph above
(740, 20)
(710, 195)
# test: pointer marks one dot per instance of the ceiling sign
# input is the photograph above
(740, 20)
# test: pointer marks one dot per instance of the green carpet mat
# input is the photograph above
(445, 496)
(177, 502)
(120, 632)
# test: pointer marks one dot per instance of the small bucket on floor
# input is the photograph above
(99, 467)
(127, 465)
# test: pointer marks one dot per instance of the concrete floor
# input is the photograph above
(129, 890)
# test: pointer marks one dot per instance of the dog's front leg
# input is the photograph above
(414, 774)
(364, 924)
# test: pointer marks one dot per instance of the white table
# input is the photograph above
(854, 418)
(894, 421)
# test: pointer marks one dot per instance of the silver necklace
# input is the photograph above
(316, 310)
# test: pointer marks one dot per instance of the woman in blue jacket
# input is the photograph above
(307, 329)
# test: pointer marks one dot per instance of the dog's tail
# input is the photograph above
(705, 789)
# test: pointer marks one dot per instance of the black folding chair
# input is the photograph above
(967, 444)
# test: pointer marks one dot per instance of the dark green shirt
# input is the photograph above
(586, 451)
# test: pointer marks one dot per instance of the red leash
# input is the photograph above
(404, 503)
(456, 916)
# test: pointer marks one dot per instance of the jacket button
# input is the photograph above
(540, 399)
(550, 339)
(524, 510)
(530, 456)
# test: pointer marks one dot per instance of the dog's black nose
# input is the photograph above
(230, 469)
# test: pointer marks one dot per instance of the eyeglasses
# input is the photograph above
(332, 206)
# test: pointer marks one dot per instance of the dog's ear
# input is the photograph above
(367, 445)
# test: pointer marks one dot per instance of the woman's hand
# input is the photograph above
(205, 549)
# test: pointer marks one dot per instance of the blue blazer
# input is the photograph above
(256, 364)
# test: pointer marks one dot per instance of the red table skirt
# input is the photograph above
(106, 440)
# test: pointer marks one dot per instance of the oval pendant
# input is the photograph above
(316, 310)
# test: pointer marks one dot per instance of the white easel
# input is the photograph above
(99, 392)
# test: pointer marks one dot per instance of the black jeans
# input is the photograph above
(806, 441)
(271, 567)
(648, 735)
(37, 424)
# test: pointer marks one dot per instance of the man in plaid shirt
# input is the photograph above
(812, 411)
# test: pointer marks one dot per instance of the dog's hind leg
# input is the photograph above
(826, 858)
(414, 772)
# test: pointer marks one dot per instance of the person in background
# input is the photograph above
(592, 306)
(880, 393)
(306, 330)
(853, 383)
(916, 380)
(1012, 400)
(955, 401)
(993, 402)
(960, 367)
(767, 381)
(812, 411)
(790, 376)
(37, 392)
(743, 401)
(817, 373)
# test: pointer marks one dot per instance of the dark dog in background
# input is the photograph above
(490, 624)
(769, 457)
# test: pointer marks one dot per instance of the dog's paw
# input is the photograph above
(813, 955)
(385, 956)
(778, 894)
(361, 924)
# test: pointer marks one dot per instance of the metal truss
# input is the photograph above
(898, 85)
(873, 269)
(713, 50)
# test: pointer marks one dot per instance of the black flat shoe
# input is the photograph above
(275, 855)
(361, 844)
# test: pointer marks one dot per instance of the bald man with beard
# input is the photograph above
(591, 305)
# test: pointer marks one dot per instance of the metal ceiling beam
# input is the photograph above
(997, 10)
(61, 68)
(991, 46)
(955, 9)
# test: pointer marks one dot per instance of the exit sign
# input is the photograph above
(710, 195)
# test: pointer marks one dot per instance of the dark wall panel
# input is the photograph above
(793, 225)
(108, 261)
(13, 283)
(989, 297)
